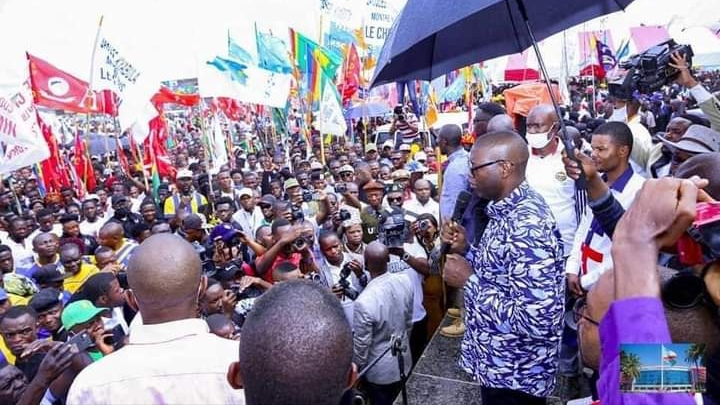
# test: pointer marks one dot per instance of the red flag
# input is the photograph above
(122, 159)
(83, 166)
(167, 96)
(231, 108)
(351, 80)
(54, 174)
(155, 145)
(54, 88)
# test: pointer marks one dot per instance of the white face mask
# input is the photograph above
(539, 141)
(619, 114)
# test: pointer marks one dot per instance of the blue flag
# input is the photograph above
(235, 69)
(273, 53)
(624, 50)
(239, 54)
(605, 56)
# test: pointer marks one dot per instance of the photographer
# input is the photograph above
(289, 245)
(406, 124)
(708, 103)
(343, 272)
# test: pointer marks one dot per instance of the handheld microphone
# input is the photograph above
(460, 206)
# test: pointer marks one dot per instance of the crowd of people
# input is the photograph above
(293, 274)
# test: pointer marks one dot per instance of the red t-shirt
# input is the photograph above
(294, 258)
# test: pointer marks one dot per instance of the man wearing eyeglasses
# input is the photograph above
(512, 279)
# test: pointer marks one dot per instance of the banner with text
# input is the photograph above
(21, 141)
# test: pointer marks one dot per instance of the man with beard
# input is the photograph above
(185, 198)
(122, 214)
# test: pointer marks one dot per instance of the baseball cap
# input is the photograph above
(268, 199)
(223, 232)
(49, 273)
(184, 174)
(79, 312)
(388, 144)
(370, 147)
(416, 167)
(91, 197)
(697, 139)
(395, 188)
(316, 166)
(373, 185)
(290, 183)
(400, 174)
(346, 168)
(421, 157)
(45, 299)
(192, 221)
(245, 191)
(405, 147)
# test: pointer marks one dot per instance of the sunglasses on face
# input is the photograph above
(395, 199)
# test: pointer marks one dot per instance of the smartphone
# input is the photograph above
(82, 341)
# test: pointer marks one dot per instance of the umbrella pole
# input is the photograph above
(581, 182)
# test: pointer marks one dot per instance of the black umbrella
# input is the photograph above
(430, 37)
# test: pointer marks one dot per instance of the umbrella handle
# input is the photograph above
(581, 182)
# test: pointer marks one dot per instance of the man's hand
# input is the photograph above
(573, 168)
(454, 234)
(397, 251)
(56, 361)
(229, 300)
(574, 286)
(685, 78)
(98, 336)
(38, 346)
(321, 195)
(289, 237)
(457, 270)
(356, 267)
(114, 268)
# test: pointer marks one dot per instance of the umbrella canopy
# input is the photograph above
(430, 38)
(370, 109)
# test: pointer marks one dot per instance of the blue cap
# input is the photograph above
(224, 232)
(3, 295)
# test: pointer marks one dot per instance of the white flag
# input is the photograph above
(21, 141)
(331, 116)
(219, 150)
(261, 86)
(113, 70)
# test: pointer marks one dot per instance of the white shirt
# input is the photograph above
(331, 273)
(431, 207)
(547, 176)
(249, 221)
(91, 228)
(176, 362)
(600, 245)
(397, 265)
(56, 229)
(642, 145)
(23, 257)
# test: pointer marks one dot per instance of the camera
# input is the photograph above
(344, 215)
(300, 243)
(701, 243)
(424, 225)
(297, 214)
(649, 71)
(307, 196)
(392, 229)
(345, 284)
(82, 341)
(314, 277)
(340, 188)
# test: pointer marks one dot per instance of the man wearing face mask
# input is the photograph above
(627, 111)
(546, 171)
(123, 215)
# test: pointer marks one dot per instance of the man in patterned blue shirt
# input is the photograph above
(513, 279)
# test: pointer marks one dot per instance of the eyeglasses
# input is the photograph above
(480, 166)
(578, 312)
(395, 199)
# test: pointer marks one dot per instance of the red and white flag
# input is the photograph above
(21, 140)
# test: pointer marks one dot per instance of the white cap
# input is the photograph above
(184, 173)
(316, 166)
(421, 156)
(388, 143)
(245, 191)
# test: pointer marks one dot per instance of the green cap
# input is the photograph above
(79, 312)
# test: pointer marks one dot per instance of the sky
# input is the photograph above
(650, 353)
(168, 39)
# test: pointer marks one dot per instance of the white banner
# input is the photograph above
(112, 70)
(21, 141)
(219, 149)
(331, 116)
(261, 86)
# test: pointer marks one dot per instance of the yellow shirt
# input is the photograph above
(73, 283)
(197, 200)
(9, 357)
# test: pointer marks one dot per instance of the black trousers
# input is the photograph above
(382, 394)
(418, 339)
(504, 396)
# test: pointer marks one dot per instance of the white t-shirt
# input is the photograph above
(397, 265)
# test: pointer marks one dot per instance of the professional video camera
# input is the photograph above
(392, 229)
(300, 243)
(297, 214)
(345, 284)
(340, 188)
(648, 71)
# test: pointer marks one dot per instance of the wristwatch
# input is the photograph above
(405, 257)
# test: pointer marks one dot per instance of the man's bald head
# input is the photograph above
(501, 122)
(452, 134)
(544, 111)
(376, 258)
(164, 274)
(505, 145)
(111, 229)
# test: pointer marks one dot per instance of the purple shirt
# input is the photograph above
(633, 320)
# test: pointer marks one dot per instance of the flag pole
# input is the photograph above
(317, 66)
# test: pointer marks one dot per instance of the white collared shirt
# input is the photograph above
(547, 176)
(178, 362)
(249, 221)
(91, 228)
(416, 207)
